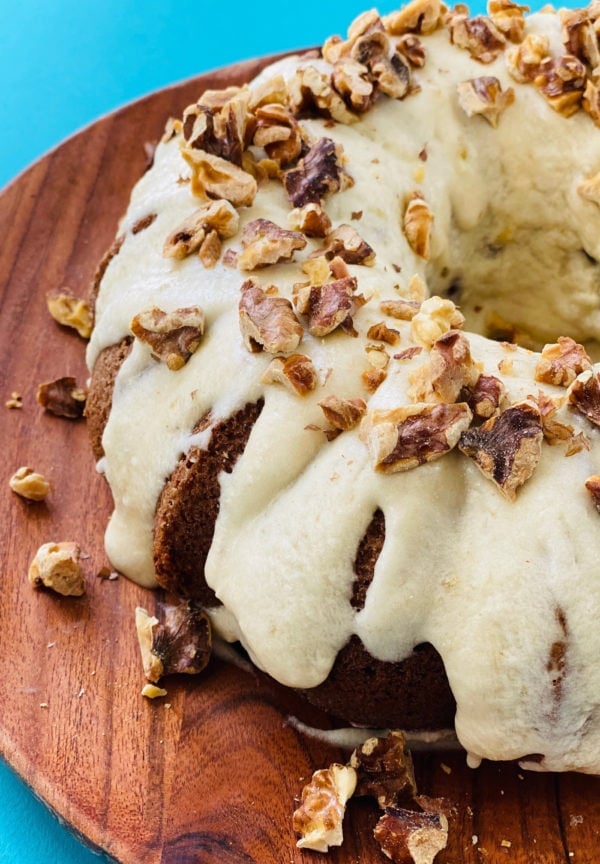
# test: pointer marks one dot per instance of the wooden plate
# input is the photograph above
(210, 776)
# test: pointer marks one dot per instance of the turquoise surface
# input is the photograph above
(64, 63)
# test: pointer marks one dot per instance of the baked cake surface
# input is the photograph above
(292, 278)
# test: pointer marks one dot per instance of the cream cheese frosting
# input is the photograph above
(493, 584)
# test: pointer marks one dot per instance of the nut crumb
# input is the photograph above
(318, 819)
(56, 566)
(71, 311)
(62, 397)
(29, 484)
(151, 691)
(15, 401)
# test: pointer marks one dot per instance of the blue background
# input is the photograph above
(64, 63)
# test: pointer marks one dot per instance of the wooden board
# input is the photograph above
(212, 776)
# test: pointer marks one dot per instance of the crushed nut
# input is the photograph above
(311, 89)
(562, 81)
(343, 414)
(589, 189)
(581, 38)
(592, 484)
(346, 243)
(478, 35)
(411, 837)
(172, 336)
(561, 362)
(311, 219)
(217, 178)
(29, 484)
(196, 232)
(218, 123)
(484, 96)
(267, 322)
(584, 396)
(382, 333)
(591, 101)
(507, 447)
(399, 439)
(402, 310)
(330, 305)
(151, 691)
(296, 372)
(180, 645)
(435, 317)
(486, 397)
(450, 370)
(62, 397)
(417, 223)
(411, 47)
(372, 378)
(318, 819)
(56, 566)
(524, 62)
(278, 132)
(556, 432)
(71, 311)
(351, 80)
(418, 16)
(265, 243)
(509, 18)
(384, 769)
(15, 401)
(316, 175)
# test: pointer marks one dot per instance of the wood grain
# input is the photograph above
(211, 776)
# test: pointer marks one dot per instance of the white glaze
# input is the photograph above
(477, 576)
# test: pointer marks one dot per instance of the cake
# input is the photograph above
(343, 384)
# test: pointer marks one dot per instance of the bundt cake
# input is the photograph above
(343, 384)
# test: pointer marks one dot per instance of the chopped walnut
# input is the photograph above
(372, 378)
(509, 18)
(346, 243)
(384, 769)
(172, 336)
(218, 123)
(151, 691)
(556, 432)
(143, 223)
(311, 219)
(310, 89)
(351, 80)
(215, 177)
(581, 38)
(316, 175)
(266, 243)
(411, 47)
(589, 189)
(584, 396)
(478, 35)
(399, 439)
(592, 484)
(411, 837)
(507, 447)
(417, 223)
(561, 362)
(418, 16)
(486, 397)
(591, 101)
(296, 372)
(267, 322)
(524, 62)
(181, 644)
(562, 81)
(278, 132)
(402, 310)
(196, 230)
(29, 484)
(450, 370)
(390, 73)
(318, 819)
(484, 96)
(71, 311)
(343, 414)
(62, 397)
(56, 566)
(330, 305)
(435, 317)
(382, 333)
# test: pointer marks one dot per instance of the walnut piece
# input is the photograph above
(591, 101)
(217, 178)
(478, 35)
(197, 231)
(384, 770)
(266, 243)
(311, 219)
(311, 90)
(451, 369)
(556, 432)
(179, 645)
(318, 820)
(486, 397)
(417, 223)
(330, 305)
(561, 362)
(592, 484)
(382, 333)
(418, 16)
(509, 18)
(62, 397)
(351, 80)
(29, 484)
(343, 414)
(411, 47)
(278, 132)
(346, 243)
(316, 175)
(267, 322)
(296, 372)
(402, 310)
(56, 566)
(562, 81)
(399, 439)
(435, 317)
(524, 62)
(71, 311)
(584, 396)
(172, 336)
(580, 37)
(507, 447)
(485, 97)
(411, 837)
